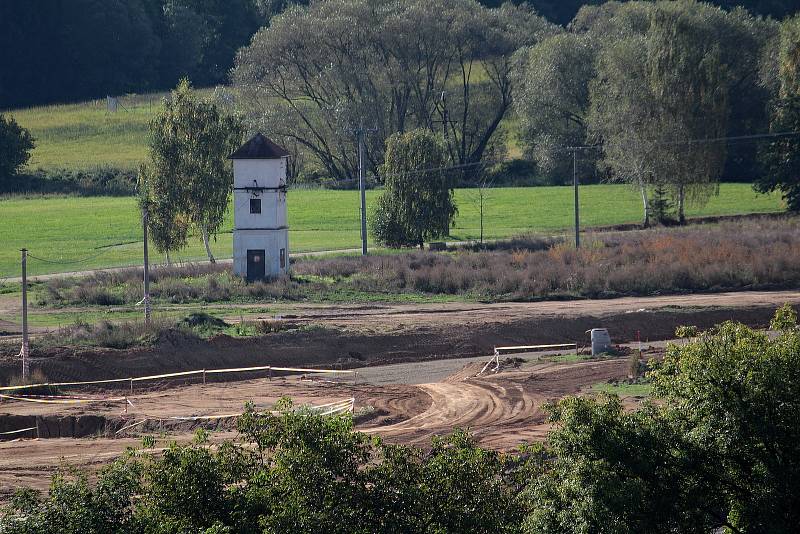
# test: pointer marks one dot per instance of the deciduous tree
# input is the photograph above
(188, 179)
(318, 72)
(551, 96)
(664, 91)
(16, 144)
(782, 155)
(417, 202)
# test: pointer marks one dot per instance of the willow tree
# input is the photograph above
(551, 96)
(188, 180)
(782, 154)
(664, 91)
(417, 202)
(318, 72)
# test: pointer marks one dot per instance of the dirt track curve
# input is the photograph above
(502, 411)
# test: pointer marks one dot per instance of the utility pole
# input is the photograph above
(362, 190)
(361, 131)
(146, 299)
(25, 352)
(577, 209)
(445, 119)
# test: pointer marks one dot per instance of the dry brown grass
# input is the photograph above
(754, 254)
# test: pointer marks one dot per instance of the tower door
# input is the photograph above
(256, 265)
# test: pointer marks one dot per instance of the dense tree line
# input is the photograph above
(318, 73)
(718, 452)
(637, 81)
(68, 50)
(562, 11)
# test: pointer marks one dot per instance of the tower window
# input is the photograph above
(255, 205)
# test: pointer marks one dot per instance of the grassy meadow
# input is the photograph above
(86, 136)
(106, 231)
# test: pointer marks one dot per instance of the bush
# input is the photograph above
(106, 334)
(516, 173)
(16, 144)
(755, 254)
(101, 181)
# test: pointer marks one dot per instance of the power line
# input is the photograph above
(438, 169)
(67, 262)
(734, 138)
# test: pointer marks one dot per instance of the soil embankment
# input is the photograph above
(357, 336)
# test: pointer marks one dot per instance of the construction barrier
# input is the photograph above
(76, 400)
(198, 372)
(330, 408)
(20, 431)
(495, 359)
(532, 348)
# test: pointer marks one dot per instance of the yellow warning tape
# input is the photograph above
(20, 431)
(63, 401)
(178, 374)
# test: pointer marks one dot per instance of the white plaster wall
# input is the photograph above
(273, 210)
(271, 241)
(266, 172)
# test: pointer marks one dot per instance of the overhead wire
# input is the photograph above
(67, 262)
(702, 140)
(462, 166)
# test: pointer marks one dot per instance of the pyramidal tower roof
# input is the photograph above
(259, 147)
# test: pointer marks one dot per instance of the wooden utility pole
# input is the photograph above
(362, 190)
(25, 352)
(146, 299)
(577, 208)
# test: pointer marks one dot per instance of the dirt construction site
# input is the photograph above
(406, 372)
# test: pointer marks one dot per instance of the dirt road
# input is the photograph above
(502, 410)
(366, 335)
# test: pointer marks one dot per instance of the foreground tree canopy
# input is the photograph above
(719, 450)
(317, 73)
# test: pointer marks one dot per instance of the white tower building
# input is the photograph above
(260, 230)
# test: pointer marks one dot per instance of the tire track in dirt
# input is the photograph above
(503, 410)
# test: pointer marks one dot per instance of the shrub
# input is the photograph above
(106, 334)
(16, 144)
(105, 181)
(761, 253)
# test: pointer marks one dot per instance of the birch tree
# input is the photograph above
(188, 179)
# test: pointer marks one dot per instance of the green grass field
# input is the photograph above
(107, 230)
(85, 135)
(623, 390)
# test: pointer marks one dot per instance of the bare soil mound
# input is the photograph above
(366, 336)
